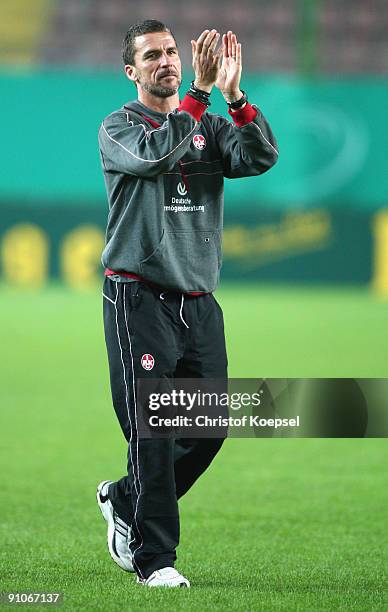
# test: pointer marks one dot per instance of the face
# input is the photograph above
(157, 67)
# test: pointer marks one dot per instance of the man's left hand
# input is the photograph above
(229, 76)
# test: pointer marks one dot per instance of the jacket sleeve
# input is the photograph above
(135, 149)
(247, 146)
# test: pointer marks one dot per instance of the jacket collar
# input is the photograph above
(140, 108)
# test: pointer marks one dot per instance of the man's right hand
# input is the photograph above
(206, 60)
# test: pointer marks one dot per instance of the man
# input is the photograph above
(164, 161)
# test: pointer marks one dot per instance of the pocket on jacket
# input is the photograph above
(185, 261)
(154, 253)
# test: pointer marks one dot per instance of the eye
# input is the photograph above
(172, 51)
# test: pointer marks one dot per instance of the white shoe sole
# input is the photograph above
(107, 512)
(164, 586)
(156, 583)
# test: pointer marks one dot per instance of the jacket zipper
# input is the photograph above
(155, 124)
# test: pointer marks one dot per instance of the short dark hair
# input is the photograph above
(138, 29)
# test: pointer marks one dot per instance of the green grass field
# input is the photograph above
(282, 524)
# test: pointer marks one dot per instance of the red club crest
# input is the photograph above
(147, 361)
(199, 141)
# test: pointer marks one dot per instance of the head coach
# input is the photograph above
(164, 161)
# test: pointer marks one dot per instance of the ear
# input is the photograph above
(130, 72)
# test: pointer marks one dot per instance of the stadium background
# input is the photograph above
(304, 288)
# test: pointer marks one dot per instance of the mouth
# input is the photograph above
(167, 76)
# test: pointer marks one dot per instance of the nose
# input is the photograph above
(166, 59)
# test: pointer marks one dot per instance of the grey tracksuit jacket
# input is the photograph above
(165, 190)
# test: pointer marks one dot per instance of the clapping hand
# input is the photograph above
(206, 60)
(229, 75)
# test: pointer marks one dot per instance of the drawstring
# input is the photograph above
(180, 312)
(161, 297)
(184, 177)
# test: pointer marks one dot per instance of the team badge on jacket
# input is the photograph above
(199, 141)
(147, 361)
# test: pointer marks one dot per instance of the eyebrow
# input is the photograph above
(150, 51)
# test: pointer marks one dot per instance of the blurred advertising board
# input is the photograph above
(330, 134)
(314, 245)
